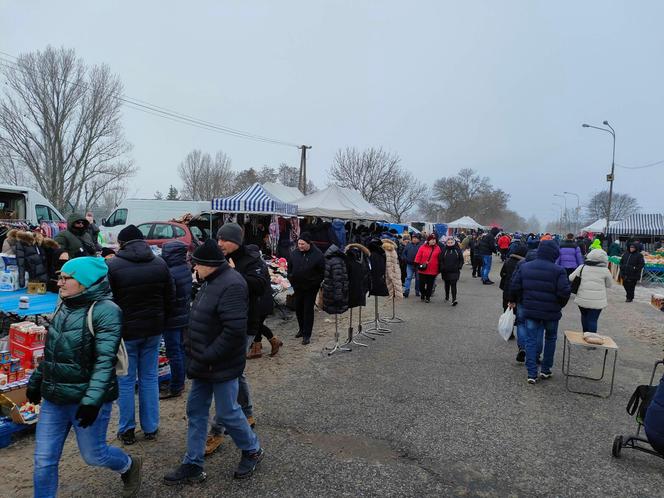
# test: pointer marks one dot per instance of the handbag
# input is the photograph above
(576, 283)
(423, 266)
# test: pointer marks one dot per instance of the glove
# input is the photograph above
(34, 396)
(86, 415)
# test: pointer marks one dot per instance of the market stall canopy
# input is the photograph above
(338, 202)
(465, 222)
(640, 224)
(598, 226)
(254, 200)
(282, 192)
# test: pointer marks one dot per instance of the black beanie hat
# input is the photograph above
(306, 236)
(106, 251)
(208, 254)
(129, 233)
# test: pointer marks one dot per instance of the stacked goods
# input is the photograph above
(655, 259)
(26, 342)
(278, 269)
(12, 372)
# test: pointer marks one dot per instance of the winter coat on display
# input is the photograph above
(77, 367)
(430, 255)
(392, 269)
(631, 265)
(596, 278)
(305, 269)
(175, 256)
(248, 263)
(76, 242)
(450, 262)
(570, 255)
(215, 342)
(338, 233)
(540, 286)
(143, 287)
(359, 277)
(509, 267)
(34, 254)
(377, 264)
(410, 251)
(335, 282)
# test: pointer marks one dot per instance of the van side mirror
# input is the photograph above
(103, 221)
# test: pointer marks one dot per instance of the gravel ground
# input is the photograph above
(438, 407)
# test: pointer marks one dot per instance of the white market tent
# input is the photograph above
(254, 200)
(598, 226)
(282, 192)
(338, 202)
(465, 222)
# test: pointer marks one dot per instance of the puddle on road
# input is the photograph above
(347, 447)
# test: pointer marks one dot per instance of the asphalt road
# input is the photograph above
(437, 408)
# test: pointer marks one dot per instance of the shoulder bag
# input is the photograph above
(576, 283)
(423, 266)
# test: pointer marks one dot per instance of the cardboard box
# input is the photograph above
(27, 355)
(10, 402)
(27, 334)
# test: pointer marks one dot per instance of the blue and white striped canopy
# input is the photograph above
(254, 200)
(640, 224)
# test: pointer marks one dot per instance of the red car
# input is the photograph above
(158, 233)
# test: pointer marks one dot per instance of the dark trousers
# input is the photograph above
(589, 319)
(263, 331)
(503, 254)
(450, 285)
(569, 271)
(477, 264)
(304, 310)
(426, 285)
(629, 286)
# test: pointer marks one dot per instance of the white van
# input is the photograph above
(136, 211)
(23, 203)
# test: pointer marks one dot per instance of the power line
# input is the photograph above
(163, 112)
(650, 165)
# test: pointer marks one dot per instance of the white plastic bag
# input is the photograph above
(506, 323)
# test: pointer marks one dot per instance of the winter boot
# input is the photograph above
(132, 478)
(212, 443)
(188, 473)
(256, 351)
(248, 463)
(276, 343)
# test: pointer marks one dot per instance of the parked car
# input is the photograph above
(158, 233)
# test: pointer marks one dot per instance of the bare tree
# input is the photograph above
(401, 195)
(60, 120)
(533, 224)
(203, 179)
(622, 205)
(370, 171)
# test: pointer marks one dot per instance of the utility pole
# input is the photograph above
(302, 184)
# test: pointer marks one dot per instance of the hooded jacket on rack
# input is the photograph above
(392, 269)
(377, 262)
(357, 264)
(335, 282)
(34, 254)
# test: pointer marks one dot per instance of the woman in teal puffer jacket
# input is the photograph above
(76, 381)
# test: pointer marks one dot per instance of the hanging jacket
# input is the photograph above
(541, 286)
(215, 341)
(175, 255)
(305, 269)
(76, 242)
(338, 228)
(142, 286)
(249, 264)
(357, 264)
(378, 266)
(79, 368)
(570, 255)
(392, 269)
(34, 254)
(335, 282)
(428, 254)
(595, 279)
(631, 265)
(450, 262)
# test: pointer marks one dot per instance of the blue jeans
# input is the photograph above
(54, 424)
(411, 272)
(175, 353)
(228, 412)
(243, 398)
(538, 331)
(486, 267)
(143, 361)
(521, 334)
(589, 319)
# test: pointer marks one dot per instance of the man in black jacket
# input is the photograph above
(142, 286)
(487, 248)
(215, 345)
(306, 266)
(631, 266)
(248, 264)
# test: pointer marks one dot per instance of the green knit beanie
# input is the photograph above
(85, 270)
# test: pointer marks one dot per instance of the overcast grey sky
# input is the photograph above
(498, 86)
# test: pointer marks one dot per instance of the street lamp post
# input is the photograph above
(560, 220)
(610, 177)
(578, 208)
(565, 212)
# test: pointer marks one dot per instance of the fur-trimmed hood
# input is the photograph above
(32, 239)
(389, 245)
(359, 247)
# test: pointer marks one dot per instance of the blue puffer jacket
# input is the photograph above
(175, 255)
(339, 232)
(570, 255)
(654, 422)
(541, 286)
(409, 253)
